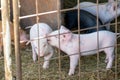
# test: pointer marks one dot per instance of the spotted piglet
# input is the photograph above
(41, 47)
(69, 43)
(106, 12)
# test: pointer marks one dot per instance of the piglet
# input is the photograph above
(87, 20)
(41, 47)
(106, 12)
(69, 43)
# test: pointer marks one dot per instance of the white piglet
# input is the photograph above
(41, 46)
(69, 43)
(106, 12)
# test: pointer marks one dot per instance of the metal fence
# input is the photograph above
(22, 66)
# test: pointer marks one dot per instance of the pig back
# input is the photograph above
(40, 28)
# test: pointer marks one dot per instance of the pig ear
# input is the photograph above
(68, 34)
(63, 28)
(111, 6)
(114, 7)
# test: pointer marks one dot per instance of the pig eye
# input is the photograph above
(64, 36)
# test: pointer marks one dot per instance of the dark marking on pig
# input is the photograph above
(87, 20)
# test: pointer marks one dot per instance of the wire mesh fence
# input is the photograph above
(71, 60)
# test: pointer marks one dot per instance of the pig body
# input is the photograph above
(69, 43)
(87, 20)
(41, 48)
(106, 12)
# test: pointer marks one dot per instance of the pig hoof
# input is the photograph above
(45, 67)
(106, 60)
(108, 69)
(71, 73)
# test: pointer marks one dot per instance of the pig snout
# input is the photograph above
(42, 52)
(41, 55)
(23, 38)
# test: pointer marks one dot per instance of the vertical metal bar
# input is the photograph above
(116, 55)
(78, 1)
(59, 23)
(16, 39)
(37, 20)
(6, 39)
(98, 56)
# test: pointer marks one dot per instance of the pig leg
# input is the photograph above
(108, 26)
(34, 55)
(47, 60)
(1, 44)
(73, 64)
(0, 51)
(106, 59)
(110, 57)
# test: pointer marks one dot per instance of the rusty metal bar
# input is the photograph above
(59, 24)
(16, 39)
(6, 39)
(78, 2)
(37, 20)
(98, 56)
(116, 55)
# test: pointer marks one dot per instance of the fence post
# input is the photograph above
(6, 39)
(16, 39)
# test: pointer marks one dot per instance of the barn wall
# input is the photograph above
(28, 8)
